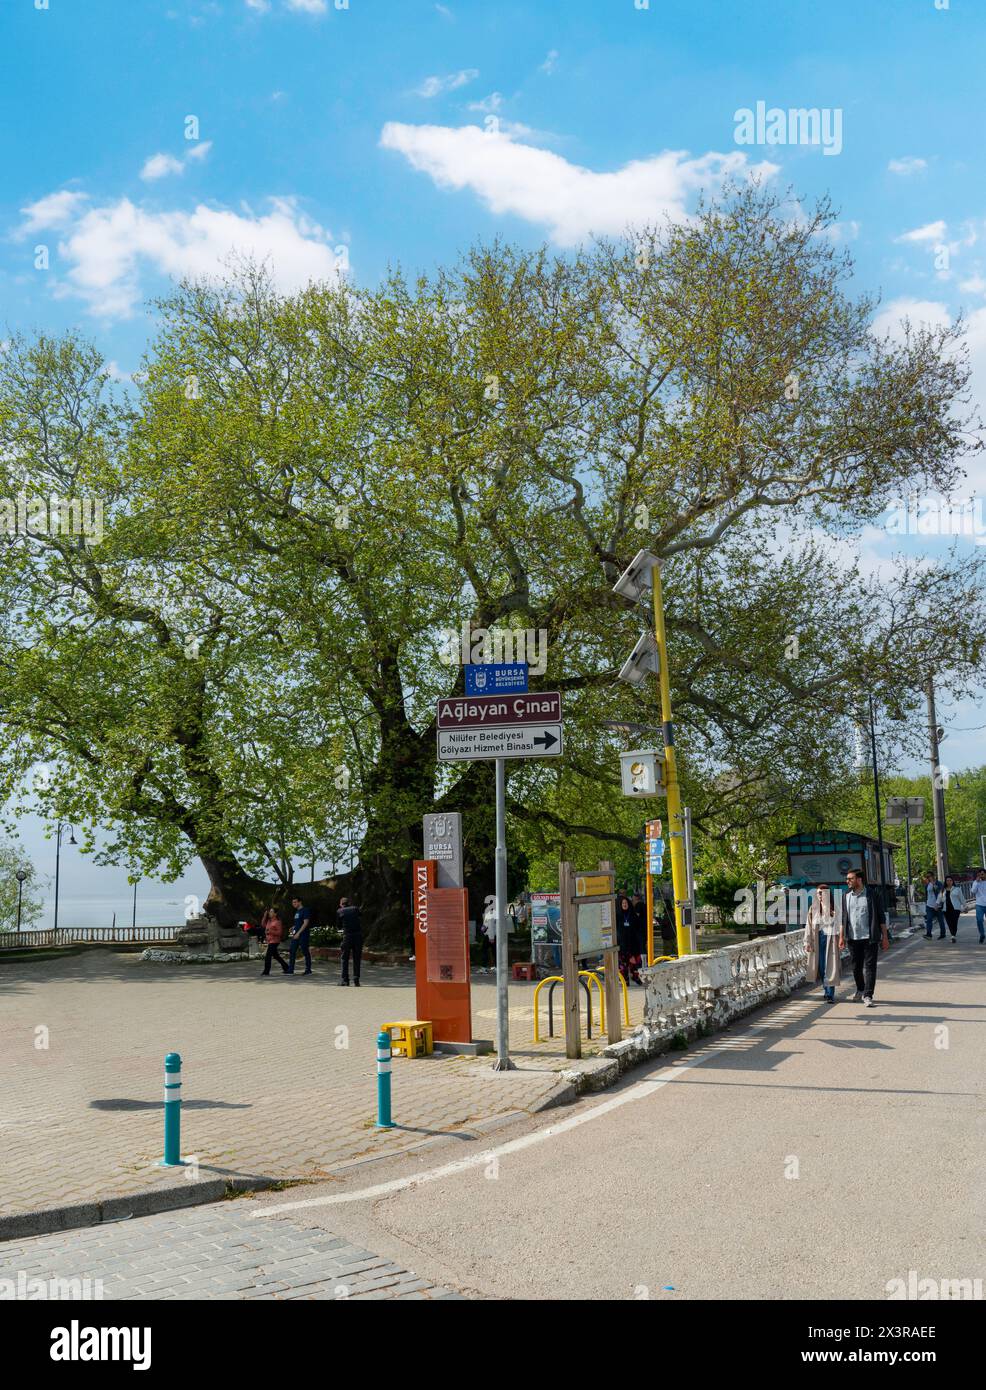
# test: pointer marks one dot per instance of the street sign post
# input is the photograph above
(499, 725)
(905, 810)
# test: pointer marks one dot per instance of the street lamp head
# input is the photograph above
(636, 579)
(20, 875)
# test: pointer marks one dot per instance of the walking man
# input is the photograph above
(300, 935)
(352, 939)
(934, 907)
(864, 927)
(979, 894)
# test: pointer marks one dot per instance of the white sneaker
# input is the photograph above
(869, 1002)
(856, 997)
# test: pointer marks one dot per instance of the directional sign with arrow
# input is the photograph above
(500, 726)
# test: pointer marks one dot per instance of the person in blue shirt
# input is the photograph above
(299, 937)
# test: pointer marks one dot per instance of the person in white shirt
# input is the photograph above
(933, 907)
(953, 901)
(979, 893)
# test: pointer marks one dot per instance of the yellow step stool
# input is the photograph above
(410, 1037)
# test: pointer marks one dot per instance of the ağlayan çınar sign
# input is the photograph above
(477, 711)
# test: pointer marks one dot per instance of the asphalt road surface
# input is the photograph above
(809, 1151)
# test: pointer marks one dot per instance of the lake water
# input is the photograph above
(73, 911)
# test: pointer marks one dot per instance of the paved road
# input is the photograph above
(279, 1073)
(809, 1151)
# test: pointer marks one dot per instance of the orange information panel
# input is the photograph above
(441, 955)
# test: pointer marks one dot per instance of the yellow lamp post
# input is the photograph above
(651, 655)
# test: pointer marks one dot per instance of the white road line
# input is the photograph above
(634, 1092)
(637, 1091)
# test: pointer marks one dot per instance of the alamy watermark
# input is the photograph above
(26, 1288)
(916, 1288)
(937, 516)
(777, 125)
(484, 646)
(52, 516)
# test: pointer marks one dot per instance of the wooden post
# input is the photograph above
(569, 965)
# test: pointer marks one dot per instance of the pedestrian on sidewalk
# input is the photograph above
(488, 933)
(953, 900)
(864, 927)
(933, 906)
(300, 935)
(351, 926)
(272, 926)
(823, 956)
(626, 939)
(979, 896)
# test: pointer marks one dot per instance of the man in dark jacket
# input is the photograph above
(352, 939)
(864, 928)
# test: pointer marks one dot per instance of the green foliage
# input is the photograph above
(305, 492)
(12, 859)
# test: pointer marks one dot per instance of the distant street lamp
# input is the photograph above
(58, 856)
(21, 875)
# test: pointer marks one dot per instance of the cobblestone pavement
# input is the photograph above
(279, 1073)
(215, 1252)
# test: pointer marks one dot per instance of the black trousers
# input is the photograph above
(274, 954)
(952, 915)
(864, 958)
(351, 946)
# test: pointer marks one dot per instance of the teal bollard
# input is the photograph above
(383, 1080)
(172, 1112)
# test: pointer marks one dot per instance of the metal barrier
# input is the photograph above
(602, 995)
(69, 936)
(554, 980)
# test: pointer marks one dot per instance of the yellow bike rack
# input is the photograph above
(585, 976)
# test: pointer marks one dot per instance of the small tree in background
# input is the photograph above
(12, 859)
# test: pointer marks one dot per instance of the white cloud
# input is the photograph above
(434, 86)
(116, 373)
(976, 284)
(542, 187)
(907, 165)
(54, 210)
(491, 103)
(548, 66)
(260, 6)
(932, 231)
(158, 166)
(108, 248)
(920, 313)
(445, 12)
(308, 6)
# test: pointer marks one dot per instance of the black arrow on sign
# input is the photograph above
(549, 740)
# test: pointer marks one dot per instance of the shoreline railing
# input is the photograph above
(71, 936)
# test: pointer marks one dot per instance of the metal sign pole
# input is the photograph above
(503, 1062)
(907, 886)
(690, 879)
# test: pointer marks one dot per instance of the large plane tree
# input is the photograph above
(303, 493)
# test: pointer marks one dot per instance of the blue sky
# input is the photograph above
(402, 130)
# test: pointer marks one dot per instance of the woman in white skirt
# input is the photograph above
(822, 928)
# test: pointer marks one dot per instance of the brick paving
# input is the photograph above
(215, 1252)
(279, 1073)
